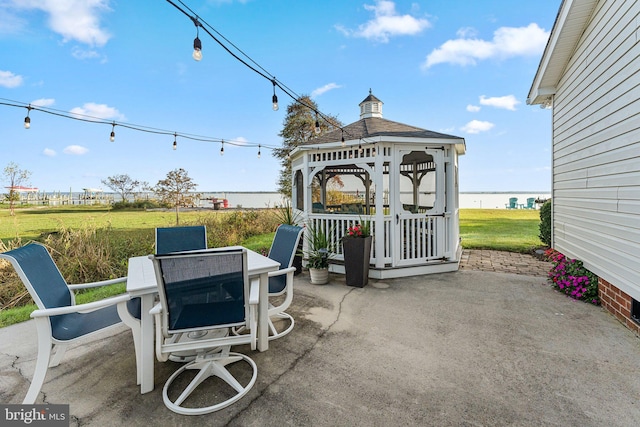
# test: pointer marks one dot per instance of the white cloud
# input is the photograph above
(323, 89)
(386, 23)
(49, 152)
(238, 141)
(43, 102)
(477, 126)
(10, 80)
(77, 20)
(76, 150)
(508, 102)
(91, 110)
(507, 42)
(473, 108)
(79, 53)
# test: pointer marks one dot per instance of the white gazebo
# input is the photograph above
(401, 178)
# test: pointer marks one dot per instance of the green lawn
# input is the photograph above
(513, 230)
(498, 229)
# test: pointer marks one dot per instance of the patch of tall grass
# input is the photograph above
(89, 252)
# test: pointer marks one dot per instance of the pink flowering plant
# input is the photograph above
(572, 278)
(362, 229)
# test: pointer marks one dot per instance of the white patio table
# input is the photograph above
(141, 282)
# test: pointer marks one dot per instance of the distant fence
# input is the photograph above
(214, 200)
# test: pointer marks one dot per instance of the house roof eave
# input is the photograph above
(571, 21)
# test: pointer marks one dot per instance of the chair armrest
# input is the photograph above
(81, 308)
(281, 272)
(254, 292)
(96, 284)
(157, 309)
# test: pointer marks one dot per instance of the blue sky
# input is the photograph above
(457, 66)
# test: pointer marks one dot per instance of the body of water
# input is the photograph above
(267, 199)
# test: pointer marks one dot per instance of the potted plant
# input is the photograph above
(318, 253)
(356, 245)
(287, 215)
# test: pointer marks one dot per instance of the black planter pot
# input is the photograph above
(357, 254)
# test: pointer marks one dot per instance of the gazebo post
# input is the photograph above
(379, 242)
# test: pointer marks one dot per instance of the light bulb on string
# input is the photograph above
(258, 150)
(112, 137)
(197, 44)
(27, 120)
(342, 140)
(317, 124)
(360, 149)
(175, 141)
(274, 99)
(222, 148)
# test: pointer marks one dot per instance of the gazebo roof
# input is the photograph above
(371, 127)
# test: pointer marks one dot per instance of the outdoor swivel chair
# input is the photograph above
(205, 291)
(58, 320)
(283, 249)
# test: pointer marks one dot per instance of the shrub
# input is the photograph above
(545, 223)
(570, 277)
(136, 205)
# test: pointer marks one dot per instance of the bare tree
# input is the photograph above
(122, 184)
(175, 190)
(15, 177)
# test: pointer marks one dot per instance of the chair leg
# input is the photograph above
(209, 366)
(273, 332)
(60, 349)
(42, 362)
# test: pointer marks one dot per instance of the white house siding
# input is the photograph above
(596, 149)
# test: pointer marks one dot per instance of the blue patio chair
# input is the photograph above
(205, 293)
(513, 203)
(177, 239)
(283, 249)
(59, 321)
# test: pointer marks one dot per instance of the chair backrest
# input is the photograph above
(40, 275)
(283, 249)
(531, 201)
(176, 239)
(513, 202)
(203, 289)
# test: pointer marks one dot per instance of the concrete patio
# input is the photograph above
(471, 348)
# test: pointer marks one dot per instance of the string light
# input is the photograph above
(27, 120)
(258, 150)
(222, 148)
(197, 44)
(112, 137)
(360, 149)
(250, 63)
(342, 140)
(274, 99)
(175, 141)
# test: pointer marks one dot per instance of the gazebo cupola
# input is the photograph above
(401, 178)
(371, 107)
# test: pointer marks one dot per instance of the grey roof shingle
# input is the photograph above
(378, 127)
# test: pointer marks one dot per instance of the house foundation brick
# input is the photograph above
(618, 304)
